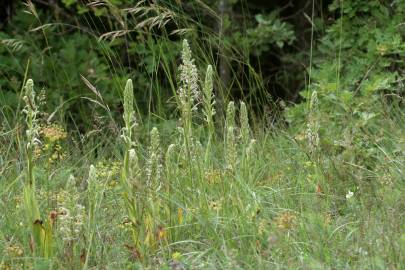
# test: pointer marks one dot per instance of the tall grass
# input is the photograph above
(210, 193)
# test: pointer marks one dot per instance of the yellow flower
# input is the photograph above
(14, 250)
(213, 176)
(161, 233)
(300, 137)
(54, 156)
(176, 256)
(180, 215)
(126, 224)
(285, 221)
(256, 212)
(4, 266)
(215, 205)
(328, 218)
(262, 227)
(53, 133)
(108, 169)
(308, 164)
(112, 183)
(37, 152)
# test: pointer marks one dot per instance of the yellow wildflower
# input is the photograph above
(14, 250)
(262, 227)
(215, 205)
(161, 233)
(328, 218)
(53, 133)
(176, 256)
(285, 221)
(180, 215)
(213, 176)
(300, 137)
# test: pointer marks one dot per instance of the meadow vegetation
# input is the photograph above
(198, 174)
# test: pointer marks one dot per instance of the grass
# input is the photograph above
(204, 196)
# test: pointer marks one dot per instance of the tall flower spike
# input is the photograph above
(244, 124)
(188, 73)
(196, 151)
(313, 105)
(91, 180)
(129, 118)
(154, 166)
(29, 192)
(312, 132)
(133, 167)
(31, 111)
(209, 100)
(169, 157)
(231, 154)
(250, 149)
(188, 91)
(230, 115)
(32, 132)
(128, 103)
(71, 184)
(30, 94)
(230, 142)
(72, 213)
(92, 194)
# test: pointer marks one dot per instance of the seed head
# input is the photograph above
(244, 123)
(128, 103)
(230, 115)
(188, 91)
(154, 166)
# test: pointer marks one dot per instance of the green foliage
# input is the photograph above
(104, 41)
(269, 31)
(358, 68)
(56, 62)
(201, 192)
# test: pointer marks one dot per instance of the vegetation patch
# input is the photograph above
(161, 144)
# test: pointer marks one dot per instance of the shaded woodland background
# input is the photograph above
(261, 50)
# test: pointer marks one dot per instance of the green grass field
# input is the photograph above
(201, 192)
